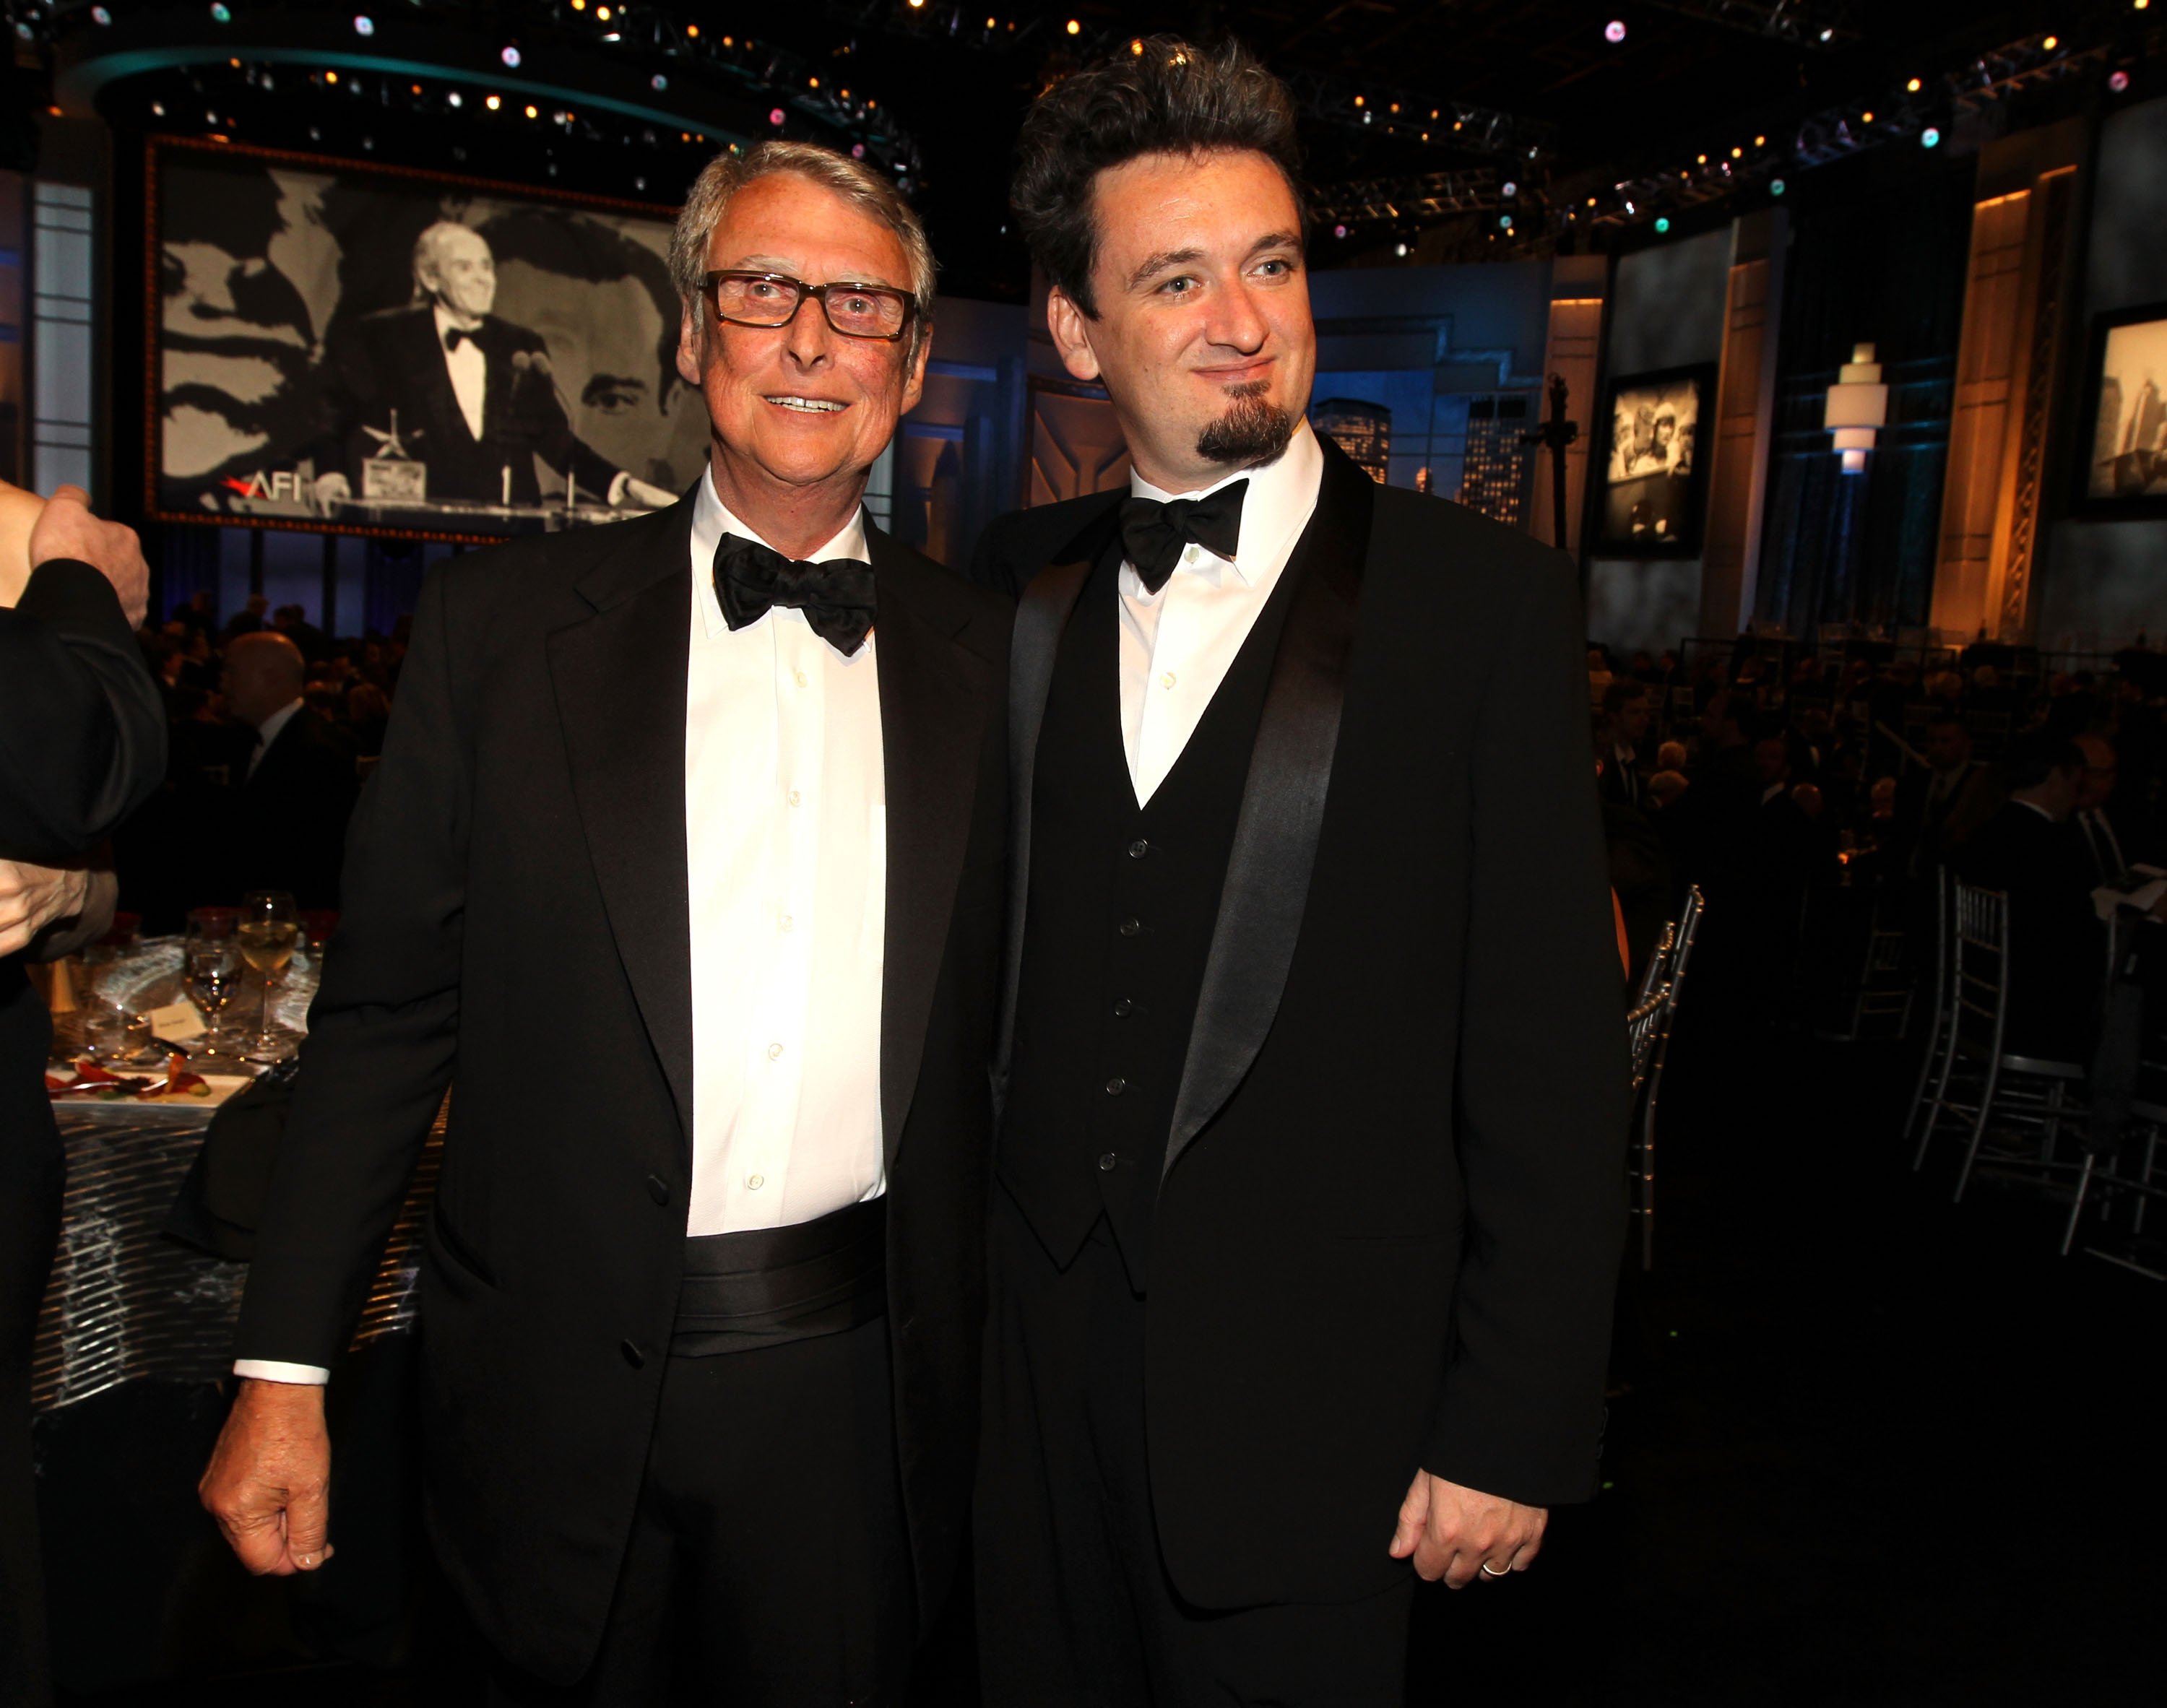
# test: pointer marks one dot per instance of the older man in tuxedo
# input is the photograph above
(685, 850)
(1310, 1156)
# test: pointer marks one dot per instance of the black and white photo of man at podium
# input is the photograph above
(441, 400)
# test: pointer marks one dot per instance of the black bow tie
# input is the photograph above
(1153, 532)
(453, 335)
(836, 596)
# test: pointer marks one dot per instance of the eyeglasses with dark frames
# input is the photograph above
(747, 298)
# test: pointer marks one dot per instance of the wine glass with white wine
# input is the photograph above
(270, 926)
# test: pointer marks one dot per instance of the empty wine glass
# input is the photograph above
(213, 968)
(270, 925)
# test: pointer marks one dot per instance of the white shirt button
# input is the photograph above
(753, 1182)
(801, 678)
(786, 922)
(775, 1052)
(796, 799)
(1167, 680)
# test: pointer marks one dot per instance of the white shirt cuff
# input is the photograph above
(270, 1370)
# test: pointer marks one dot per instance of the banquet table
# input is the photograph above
(126, 1302)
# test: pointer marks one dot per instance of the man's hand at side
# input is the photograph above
(1453, 1532)
(269, 1483)
(67, 529)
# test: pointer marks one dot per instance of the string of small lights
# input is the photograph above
(598, 72)
(1922, 111)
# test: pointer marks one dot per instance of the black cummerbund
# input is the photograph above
(773, 1285)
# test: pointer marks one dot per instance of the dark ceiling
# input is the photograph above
(1582, 141)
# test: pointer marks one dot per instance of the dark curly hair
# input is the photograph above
(1160, 96)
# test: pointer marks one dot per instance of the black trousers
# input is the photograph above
(31, 1171)
(1075, 1607)
(768, 1566)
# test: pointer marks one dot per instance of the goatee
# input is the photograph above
(1254, 430)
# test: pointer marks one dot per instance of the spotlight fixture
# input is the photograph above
(494, 102)
(1400, 249)
(220, 13)
(775, 115)
(1074, 27)
(1866, 117)
(658, 82)
(533, 112)
(1776, 188)
(1508, 190)
(1614, 31)
(1913, 86)
(1136, 46)
(363, 24)
(1760, 142)
(1930, 138)
(2118, 82)
(1662, 223)
(455, 99)
(1339, 231)
(2051, 43)
(100, 16)
(1828, 35)
(511, 58)
(1504, 222)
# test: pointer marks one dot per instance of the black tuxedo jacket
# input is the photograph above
(2057, 945)
(517, 918)
(392, 360)
(289, 820)
(1389, 1223)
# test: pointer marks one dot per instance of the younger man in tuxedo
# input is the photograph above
(1309, 1171)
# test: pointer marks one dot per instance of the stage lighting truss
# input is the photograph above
(674, 61)
(1806, 23)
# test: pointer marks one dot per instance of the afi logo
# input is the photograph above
(282, 484)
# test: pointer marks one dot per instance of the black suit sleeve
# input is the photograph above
(384, 1030)
(83, 728)
(539, 411)
(1540, 1102)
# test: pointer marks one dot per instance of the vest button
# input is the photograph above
(1124, 1008)
(1116, 1086)
(1130, 928)
(1139, 849)
(633, 1355)
(1108, 1163)
(658, 1188)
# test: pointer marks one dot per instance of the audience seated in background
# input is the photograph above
(2105, 846)
(2032, 853)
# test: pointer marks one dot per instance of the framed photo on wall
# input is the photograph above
(1650, 496)
(2123, 429)
(351, 348)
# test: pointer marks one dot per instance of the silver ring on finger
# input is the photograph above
(1490, 1571)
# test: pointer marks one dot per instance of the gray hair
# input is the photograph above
(429, 242)
(852, 180)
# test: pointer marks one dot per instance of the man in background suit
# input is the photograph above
(2033, 854)
(1939, 809)
(295, 786)
(472, 394)
(686, 849)
(1309, 1186)
(82, 743)
(2103, 842)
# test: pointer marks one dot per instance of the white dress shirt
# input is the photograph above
(785, 835)
(268, 731)
(1178, 644)
(469, 369)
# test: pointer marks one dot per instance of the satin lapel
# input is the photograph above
(933, 705)
(1283, 802)
(619, 677)
(1042, 615)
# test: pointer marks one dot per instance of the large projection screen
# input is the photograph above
(301, 376)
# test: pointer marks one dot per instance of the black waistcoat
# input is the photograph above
(1118, 927)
